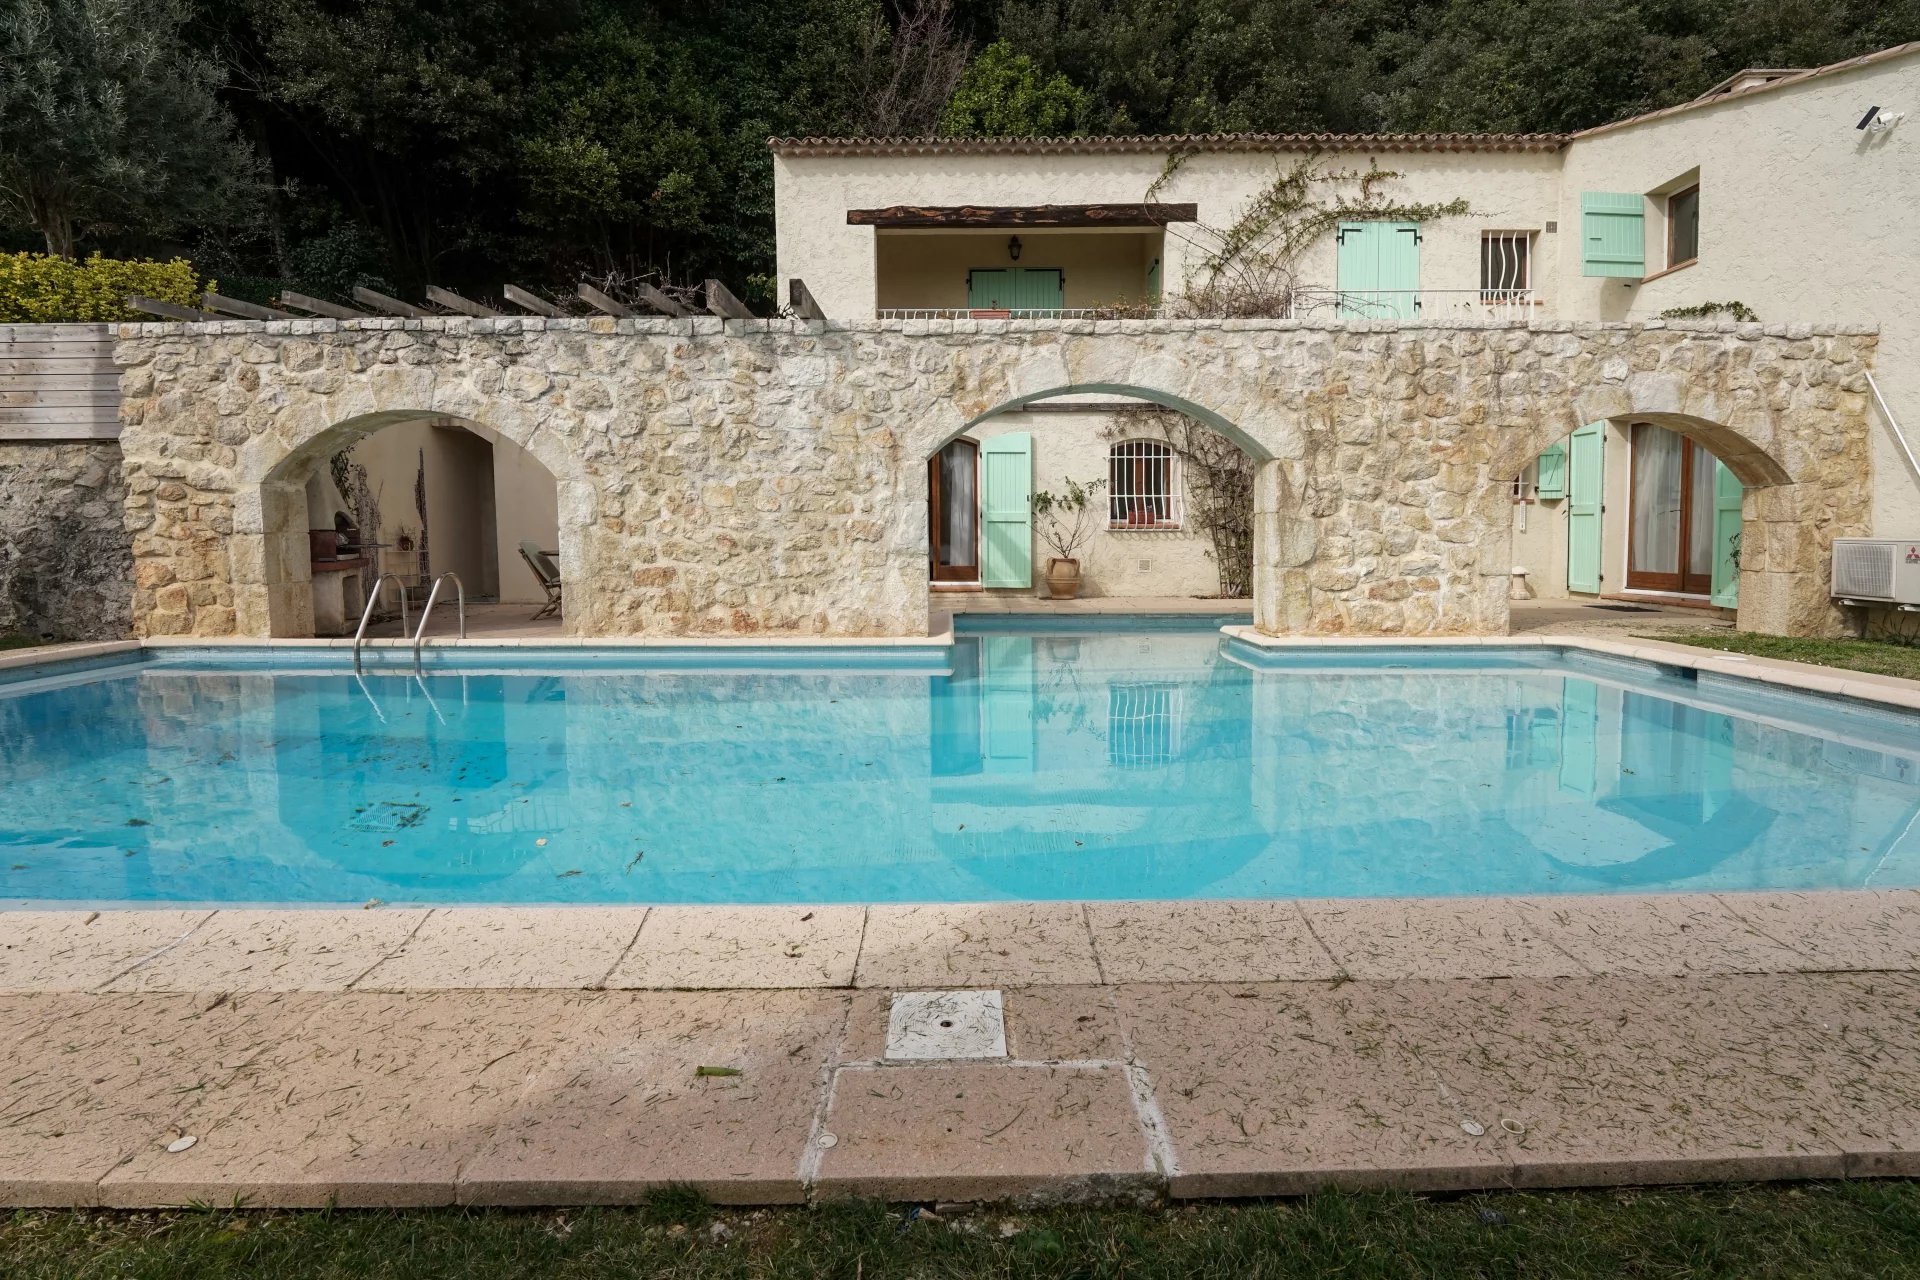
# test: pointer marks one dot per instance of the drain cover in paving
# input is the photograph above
(947, 1024)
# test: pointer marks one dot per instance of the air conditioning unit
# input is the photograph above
(1876, 571)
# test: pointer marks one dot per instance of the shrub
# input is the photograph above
(37, 288)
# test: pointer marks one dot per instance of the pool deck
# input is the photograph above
(555, 1056)
(531, 1056)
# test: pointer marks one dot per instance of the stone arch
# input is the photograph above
(272, 580)
(1790, 514)
(1282, 538)
(1254, 448)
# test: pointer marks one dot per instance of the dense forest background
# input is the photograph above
(319, 144)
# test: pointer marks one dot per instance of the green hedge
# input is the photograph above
(36, 288)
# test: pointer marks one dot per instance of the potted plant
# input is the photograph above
(1066, 520)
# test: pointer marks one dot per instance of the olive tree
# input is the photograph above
(109, 122)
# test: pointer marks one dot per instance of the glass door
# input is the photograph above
(1670, 530)
(953, 512)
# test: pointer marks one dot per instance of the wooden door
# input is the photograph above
(953, 512)
(1670, 531)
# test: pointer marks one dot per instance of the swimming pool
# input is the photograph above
(1097, 760)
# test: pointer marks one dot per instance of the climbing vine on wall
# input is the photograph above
(1706, 310)
(1251, 267)
(1218, 476)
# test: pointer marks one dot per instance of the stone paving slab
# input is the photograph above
(1878, 930)
(508, 948)
(622, 1105)
(946, 945)
(317, 950)
(1281, 1090)
(743, 947)
(1658, 934)
(372, 1100)
(83, 950)
(1207, 942)
(1387, 938)
(1192, 1089)
(995, 1132)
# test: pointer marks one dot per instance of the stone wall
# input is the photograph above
(769, 476)
(66, 570)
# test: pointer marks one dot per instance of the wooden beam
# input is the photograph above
(530, 302)
(454, 302)
(723, 304)
(319, 306)
(244, 310)
(659, 301)
(381, 302)
(600, 301)
(801, 300)
(1026, 215)
(169, 311)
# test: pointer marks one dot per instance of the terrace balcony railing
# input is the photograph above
(1299, 304)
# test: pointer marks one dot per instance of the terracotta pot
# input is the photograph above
(1063, 578)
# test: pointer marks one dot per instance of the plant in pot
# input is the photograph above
(1066, 520)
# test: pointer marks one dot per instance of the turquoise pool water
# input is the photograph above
(1115, 760)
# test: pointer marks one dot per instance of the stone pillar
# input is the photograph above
(1283, 544)
(1786, 564)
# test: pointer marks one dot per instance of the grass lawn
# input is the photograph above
(1829, 1230)
(1872, 656)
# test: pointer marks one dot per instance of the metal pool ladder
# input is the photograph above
(426, 609)
(366, 615)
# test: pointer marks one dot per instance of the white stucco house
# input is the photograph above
(1789, 192)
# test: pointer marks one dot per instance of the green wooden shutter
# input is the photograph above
(1006, 511)
(1586, 482)
(1613, 232)
(1040, 289)
(990, 288)
(1356, 271)
(1377, 270)
(1153, 281)
(1550, 473)
(1728, 496)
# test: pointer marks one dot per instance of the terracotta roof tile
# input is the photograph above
(1169, 142)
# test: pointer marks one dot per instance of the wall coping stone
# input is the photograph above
(713, 326)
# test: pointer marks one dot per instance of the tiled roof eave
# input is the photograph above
(1160, 143)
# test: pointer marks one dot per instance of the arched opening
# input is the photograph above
(414, 496)
(1648, 510)
(1144, 495)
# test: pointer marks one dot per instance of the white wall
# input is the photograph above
(1507, 190)
(1802, 217)
(1122, 562)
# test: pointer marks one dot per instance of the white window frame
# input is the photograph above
(1123, 472)
(1512, 290)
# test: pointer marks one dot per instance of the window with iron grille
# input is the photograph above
(1143, 485)
(1506, 265)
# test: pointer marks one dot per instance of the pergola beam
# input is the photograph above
(659, 301)
(170, 310)
(319, 306)
(242, 309)
(530, 302)
(722, 303)
(600, 301)
(454, 302)
(392, 306)
(800, 298)
(990, 217)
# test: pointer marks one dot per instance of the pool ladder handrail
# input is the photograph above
(366, 614)
(419, 635)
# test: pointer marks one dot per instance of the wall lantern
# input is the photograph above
(1013, 248)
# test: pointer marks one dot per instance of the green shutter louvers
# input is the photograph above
(1613, 231)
